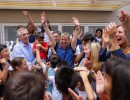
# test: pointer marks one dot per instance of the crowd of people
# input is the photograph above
(50, 65)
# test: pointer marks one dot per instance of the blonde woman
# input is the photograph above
(90, 61)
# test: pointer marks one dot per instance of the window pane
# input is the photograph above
(54, 27)
(10, 36)
(10, 33)
(70, 29)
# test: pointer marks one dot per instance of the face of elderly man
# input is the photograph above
(24, 36)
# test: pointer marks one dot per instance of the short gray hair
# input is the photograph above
(19, 31)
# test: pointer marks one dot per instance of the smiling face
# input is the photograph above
(24, 36)
(98, 34)
(56, 37)
(64, 41)
(5, 54)
(120, 36)
(30, 28)
(87, 51)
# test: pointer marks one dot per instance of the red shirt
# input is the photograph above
(43, 54)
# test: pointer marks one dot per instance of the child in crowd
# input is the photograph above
(81, 89)
(65, 78)
(18, 64)
(43, 46)
(25, 85)
(98, 35)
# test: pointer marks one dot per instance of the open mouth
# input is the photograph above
(118, 39)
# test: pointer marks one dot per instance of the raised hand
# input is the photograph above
(111, 29)
(75, 21)
(43, 19)
(74, 95)
(26, 13)
(125, 20)
(99, 83)
(38, 46)
(105, 35)
(3, 61)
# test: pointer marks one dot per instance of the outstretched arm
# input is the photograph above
(26, 13)
(76, 33)
(100, 86)
(46, 28)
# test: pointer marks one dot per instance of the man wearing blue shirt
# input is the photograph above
(23, 48)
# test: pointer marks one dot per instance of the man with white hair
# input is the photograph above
(23, 48)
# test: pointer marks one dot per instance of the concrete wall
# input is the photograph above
(15, 16)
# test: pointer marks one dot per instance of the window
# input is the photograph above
(93, 26)
(8, 30)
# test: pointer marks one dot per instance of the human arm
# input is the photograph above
(52, 48)
(90, 94)
(38, 55)
(46, 28)
(45, 47)
(26, 13)
(74, 95)
(4, 72)
(84, 72)
(100, 86)
(75, 34)
(78, 54)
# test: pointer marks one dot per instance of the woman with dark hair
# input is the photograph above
(4, 58)
(98, 35)
(31, 32)
(115, 85)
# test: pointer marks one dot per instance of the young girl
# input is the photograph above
(91, 57)
(18, 64)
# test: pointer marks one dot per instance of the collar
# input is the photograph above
(22, 44)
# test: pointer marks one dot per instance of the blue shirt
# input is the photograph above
(65, 54)
(104, 54)
(22, 50)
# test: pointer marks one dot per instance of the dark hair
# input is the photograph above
(65, 78)
(110, 65)
(99, 29)
(87, 37)
(59, 33)
(119, 70)
(62, 64)
(54, 60)
(19, 26)
(24, 86)
(43, 28)
(2, 46)
(121, 81)
(33, 31)
(17, 61)
(39, 35)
